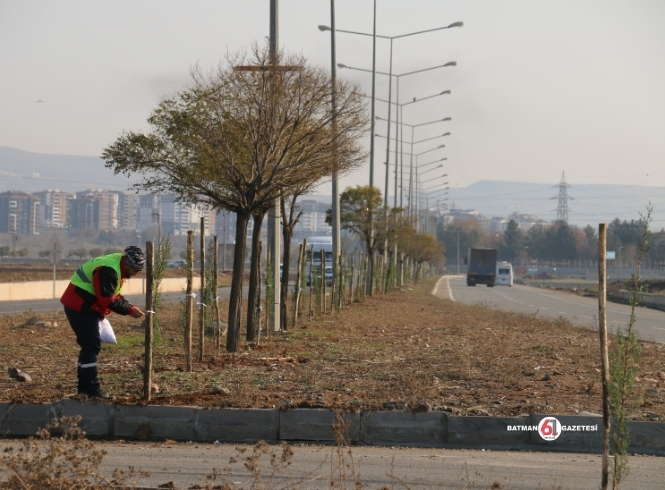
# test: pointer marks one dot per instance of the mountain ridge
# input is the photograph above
(588, 204)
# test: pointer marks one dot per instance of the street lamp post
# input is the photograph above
(336, 239)
(413, 127)
(374, 72)
(400, 154)
(392, 38)
(411, 176)
(390, 103)
(400, 127)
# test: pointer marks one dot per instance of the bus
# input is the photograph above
(504, 274)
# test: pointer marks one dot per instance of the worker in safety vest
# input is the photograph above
(93, 293)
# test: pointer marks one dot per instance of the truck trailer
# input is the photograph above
(481, 267)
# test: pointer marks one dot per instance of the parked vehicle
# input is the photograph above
(317, 275)
(317, 244)
(504, 274)
(481, 267)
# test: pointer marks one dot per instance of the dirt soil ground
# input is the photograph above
(404, 350)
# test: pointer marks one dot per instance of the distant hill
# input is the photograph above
(590, 203)
(32, 172)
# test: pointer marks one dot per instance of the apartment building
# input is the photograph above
(128, 210)
(177, 217)
(313, 220)
(19, 213)
(149, 211)
(53, 208)
(94, 208)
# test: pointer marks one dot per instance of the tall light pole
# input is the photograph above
(335, 177)
(400, 140)
(391, 38)
(390, 104)
(374, 36)
(413, 127)
(411, 176)
(273, 224)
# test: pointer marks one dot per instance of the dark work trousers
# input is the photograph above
(86, 328)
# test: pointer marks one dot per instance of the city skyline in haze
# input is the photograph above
(540, 88)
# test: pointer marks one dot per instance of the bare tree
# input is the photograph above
(241, 136)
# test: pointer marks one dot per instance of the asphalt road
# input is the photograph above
(650, 324)
(42, 305)
(312, 466)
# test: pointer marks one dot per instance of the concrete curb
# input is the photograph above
(382, 428)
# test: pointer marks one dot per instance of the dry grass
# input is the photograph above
(405, 350)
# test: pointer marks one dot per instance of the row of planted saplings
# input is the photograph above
(351, 279)
(206, 300)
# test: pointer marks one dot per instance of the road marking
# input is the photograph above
(622, 323)
(450, 291)
(563, 312)
(436, 286)
(508, 297)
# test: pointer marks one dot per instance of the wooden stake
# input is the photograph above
(147, 369)
(189, 304)
(604, 357)
(202, 312)
(323, 281)
(215, 293)
(311, 280)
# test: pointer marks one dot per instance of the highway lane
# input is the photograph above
(578, 310)
(44, 305)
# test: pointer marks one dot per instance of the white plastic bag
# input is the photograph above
(106, 332)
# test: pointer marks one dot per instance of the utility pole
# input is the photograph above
(274, 215)
(337, 244)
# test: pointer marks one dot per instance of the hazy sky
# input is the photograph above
(541, 86)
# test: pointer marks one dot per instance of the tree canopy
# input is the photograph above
(240, 137)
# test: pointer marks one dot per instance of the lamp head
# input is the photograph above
(341, 65)
(451, 63)
(454, 24)
(445, 92)
(326, 28)
(447, 119)
(446, 134)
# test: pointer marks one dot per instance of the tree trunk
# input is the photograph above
(287, 233)
(369, 276)
(235, 299)
(253, 299)
(296, 301)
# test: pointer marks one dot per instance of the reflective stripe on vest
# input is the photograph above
(82, 278)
